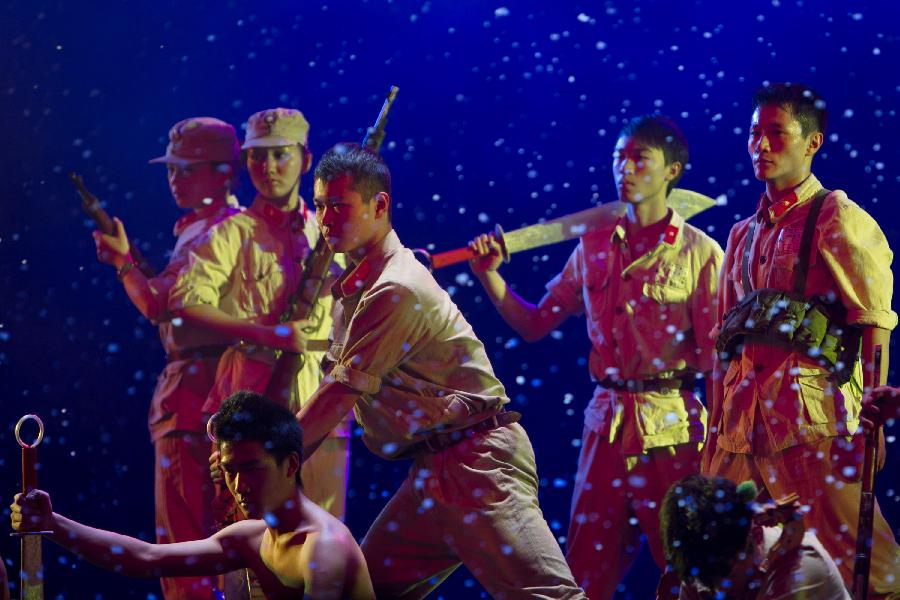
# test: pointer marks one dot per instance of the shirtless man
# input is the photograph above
(295, 548)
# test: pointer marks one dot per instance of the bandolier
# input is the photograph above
(816, 327)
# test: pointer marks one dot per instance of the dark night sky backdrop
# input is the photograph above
(507, 113)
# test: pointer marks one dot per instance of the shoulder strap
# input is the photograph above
(745, 260)
(809, 229)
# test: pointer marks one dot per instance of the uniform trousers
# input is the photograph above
(184, 495)
(475, 503)
(615, 507)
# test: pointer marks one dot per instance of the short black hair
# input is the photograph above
(248, 416)
(369, 171)
(705, 522)
(804, 104)
(659, 131)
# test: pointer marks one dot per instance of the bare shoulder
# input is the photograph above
(332, 539)
(243, 536)
(333, 562)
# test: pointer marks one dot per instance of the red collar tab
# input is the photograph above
(780, 208)
(184, 222)
(670, 235)
(353, 281)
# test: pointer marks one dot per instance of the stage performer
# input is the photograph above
(202, 160)
(406, 360)
(723, 545)
(295, 548)
(806, 287)
(647, 286)
(238, 281)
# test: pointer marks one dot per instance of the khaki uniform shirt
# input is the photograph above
(648, 317)
(189, 230)
(401, 342)
(177, 400)
(774, 397)
(248, 267)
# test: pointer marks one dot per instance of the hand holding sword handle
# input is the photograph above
(452, 257)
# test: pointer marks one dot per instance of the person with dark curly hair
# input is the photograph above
(721, 545)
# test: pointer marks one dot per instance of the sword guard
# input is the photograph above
(501, 239)
(22, 534)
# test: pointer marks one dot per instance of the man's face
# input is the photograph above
(275, 171)
(777, 147)
(639, 170)
(258, 483)
(197, 184)
(347, 220)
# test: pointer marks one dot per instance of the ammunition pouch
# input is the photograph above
(816, 327)
(809, 326)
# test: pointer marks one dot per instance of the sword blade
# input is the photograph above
(31, 577)
(686, 202)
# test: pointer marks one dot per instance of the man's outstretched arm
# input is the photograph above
(532, 322)
(127, 555)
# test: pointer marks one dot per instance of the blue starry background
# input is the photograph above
(507, 113)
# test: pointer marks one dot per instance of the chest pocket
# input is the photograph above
(669, 285)
(787, 247)
(596, 281)
(264, 280)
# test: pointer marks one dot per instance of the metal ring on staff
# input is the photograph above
(40, 435)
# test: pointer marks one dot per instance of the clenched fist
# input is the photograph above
(32, 512)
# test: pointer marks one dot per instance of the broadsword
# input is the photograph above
(686, 202)
(31, 576)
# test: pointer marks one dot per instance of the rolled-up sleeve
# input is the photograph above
(566, 287)
(158, 288)
(859, 258)
(388, 325)
(208, 270)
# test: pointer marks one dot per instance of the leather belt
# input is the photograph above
(438, 442)
(687, 382)
(210, 351)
